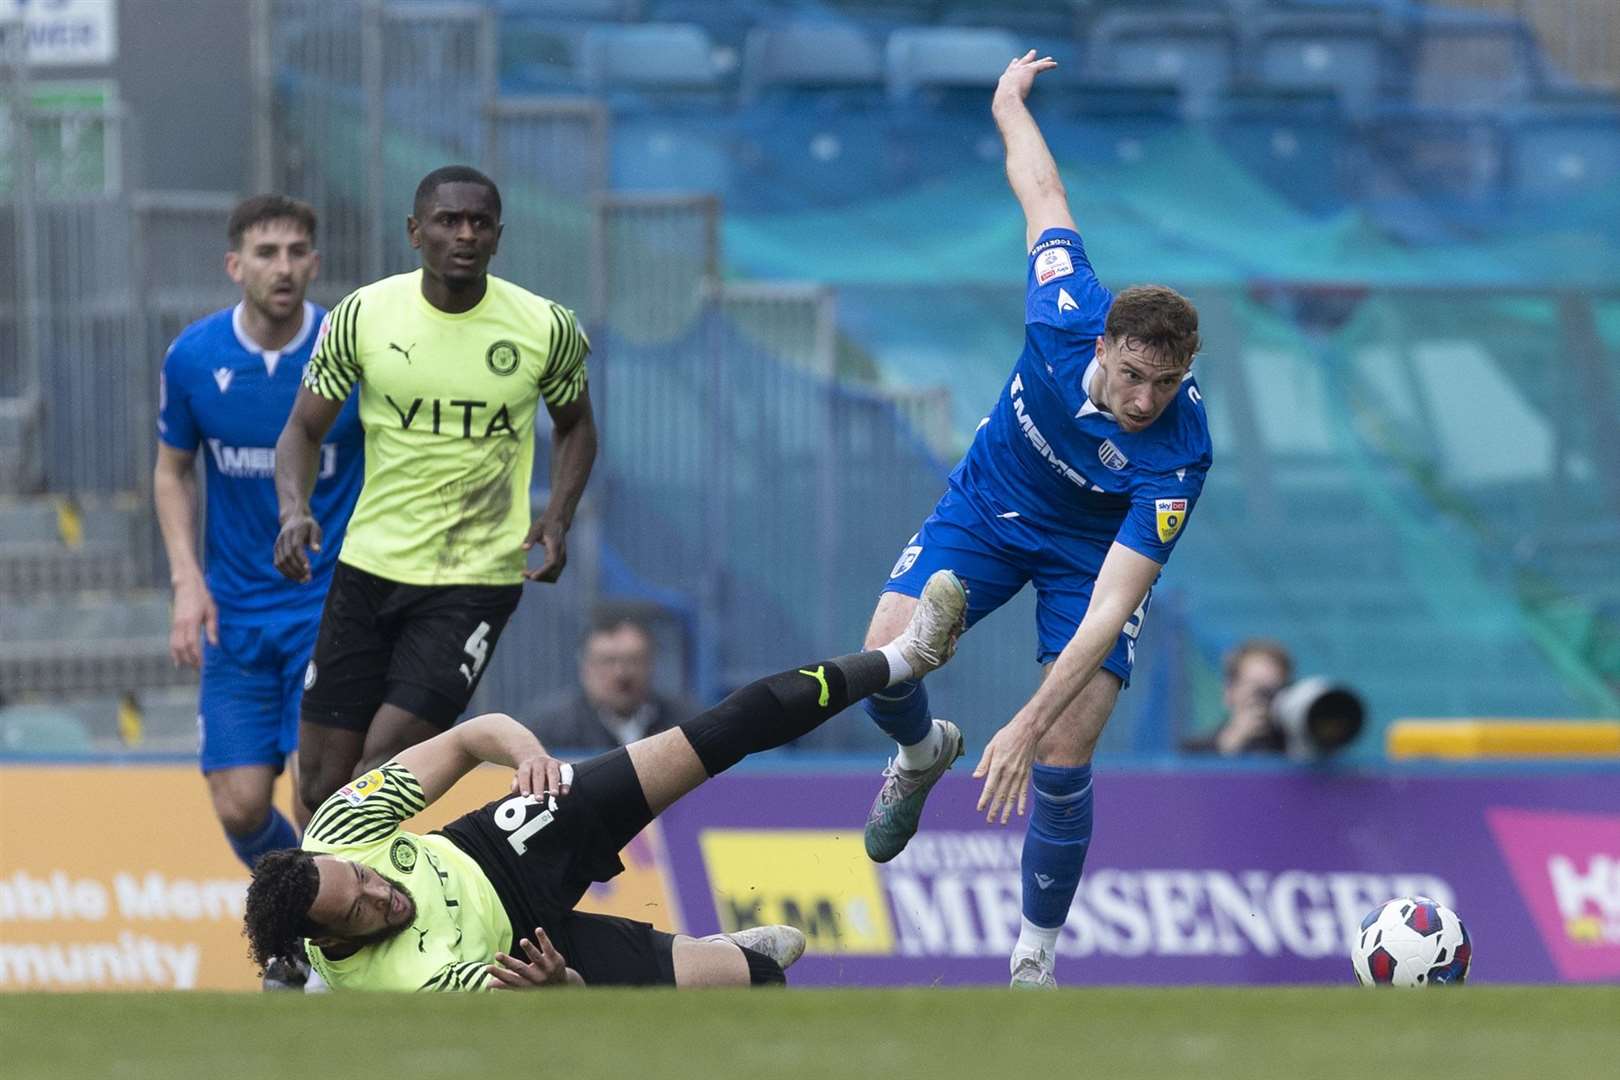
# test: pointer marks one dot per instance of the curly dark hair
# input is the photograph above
(1160, 319)
(278, 900)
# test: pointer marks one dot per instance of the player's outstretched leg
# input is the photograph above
(780, 708)
(765, 714)
(894, 816)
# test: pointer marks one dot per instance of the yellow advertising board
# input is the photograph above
(119, 878)
(821, 882)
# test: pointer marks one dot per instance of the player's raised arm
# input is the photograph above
(1031, 170)
(1122, 584)
(491, 737)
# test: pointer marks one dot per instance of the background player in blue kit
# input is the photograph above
(1080, 480)
(228, 384)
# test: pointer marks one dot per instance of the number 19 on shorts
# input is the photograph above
(512, 816)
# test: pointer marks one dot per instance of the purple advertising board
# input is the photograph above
(1193, 877)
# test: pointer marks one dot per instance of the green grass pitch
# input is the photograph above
(1297, 1033)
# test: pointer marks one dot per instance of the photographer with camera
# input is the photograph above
(1253, 672)
(1267, 712)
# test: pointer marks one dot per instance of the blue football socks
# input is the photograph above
(1056, 842)
(902, 712)
(276, 834)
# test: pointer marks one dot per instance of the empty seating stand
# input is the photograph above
(671, 125)
(1195, 50)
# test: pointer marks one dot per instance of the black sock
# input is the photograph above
(762, 970)
(780, 708)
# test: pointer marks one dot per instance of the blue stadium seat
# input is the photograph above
(815, 127)
(42, 729)
(672, 149)
(1463, 60)
(941, 80)
(1195, 50)
(810, 57)
(596, 10)
(1299, 142)
(1345, 53)
(1041, 23)
(1454, 156)
(652, 57)
(1557, 153)
(670, 127)
(946, 57)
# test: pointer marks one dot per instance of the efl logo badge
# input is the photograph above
(1110, 455)
(1171, 513)
(361, 788)
(1051, 264)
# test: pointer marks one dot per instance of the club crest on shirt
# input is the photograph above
(1111, 456)
(907, 559)
(1171, 514)
(402, 853)
(361, 788)
(502, 357)
(1052, 263)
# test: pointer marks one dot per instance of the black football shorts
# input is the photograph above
(541, 856)
(420, 647)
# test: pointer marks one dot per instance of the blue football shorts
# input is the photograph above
(996, 558)
(252, 685)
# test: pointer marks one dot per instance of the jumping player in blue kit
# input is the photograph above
(1080, 480)
(228, 383)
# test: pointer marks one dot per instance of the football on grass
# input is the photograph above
(1411, 941)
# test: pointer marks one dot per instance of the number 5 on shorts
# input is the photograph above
(478, 649)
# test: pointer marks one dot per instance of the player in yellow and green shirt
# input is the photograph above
(451, 364)
(488, 902)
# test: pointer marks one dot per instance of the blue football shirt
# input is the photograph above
(223, 396)
(1049, 455)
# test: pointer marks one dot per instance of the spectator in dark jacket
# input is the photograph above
(615, 703)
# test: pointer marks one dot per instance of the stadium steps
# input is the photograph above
(86, 642)
(51, 544)
(157, 721)
(20, 421)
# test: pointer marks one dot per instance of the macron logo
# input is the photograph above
(1066, 302)
(1043, 881)
(223, 377)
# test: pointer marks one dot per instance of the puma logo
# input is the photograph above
(406, 353)
(820, 675)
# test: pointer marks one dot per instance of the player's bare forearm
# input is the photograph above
(1122, 583)
(493, 738)
(1032, 172)
(174, 496)
(1075, 666)
(573, 454)
(298, 450)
